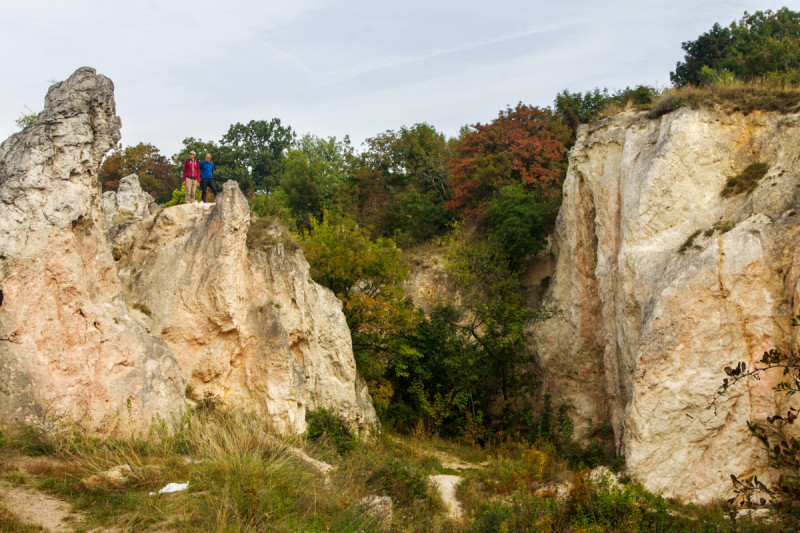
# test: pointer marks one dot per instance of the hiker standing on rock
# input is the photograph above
(191, 177)
(207, 177)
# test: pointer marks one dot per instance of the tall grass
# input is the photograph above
(242, 479)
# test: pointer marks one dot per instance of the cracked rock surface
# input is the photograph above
(68, 344)
(663, 281)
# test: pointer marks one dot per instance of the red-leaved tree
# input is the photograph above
(524, 145)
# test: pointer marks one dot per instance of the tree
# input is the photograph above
(365, 274)
(783, 451)
(765, 44)
(314, 176)
(260, 146)
(493, 322)
(518, 222)
(524, 145)
(583, 108)
(155, 172)
(400, 183)
(226, 164)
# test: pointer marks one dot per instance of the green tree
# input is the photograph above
(518, 222)
(315, 176)
(365, 274)
(155, 172)
(765, 44)
(400, 183)
(493, 321)
(274, 205)
(260, 146)
(583, 108)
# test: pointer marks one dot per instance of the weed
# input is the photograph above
(402, 481)
(143, 309)
(265, 233)
(689, 242)
(721, 226)
(746, 181)
(666, 104)
(16, 478)
(730, 98)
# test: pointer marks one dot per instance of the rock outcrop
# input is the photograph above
(129, 202)
(237, 305)
(662, 282)
(113, 310)
(68, 345)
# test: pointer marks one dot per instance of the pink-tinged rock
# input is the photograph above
(663, 282)
(69, 348)
(237, 305)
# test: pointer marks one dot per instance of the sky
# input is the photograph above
(334, 67)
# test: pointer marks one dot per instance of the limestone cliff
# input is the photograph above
(663, 281)
(110, 306)
(68, 344)
(238, 308)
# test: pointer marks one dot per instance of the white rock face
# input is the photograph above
(651, 315)
(68, 345)
(128, 201)
(245, 321)
(109, 307)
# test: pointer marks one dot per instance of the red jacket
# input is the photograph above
(191, 170)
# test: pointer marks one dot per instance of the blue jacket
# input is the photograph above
(206, 170)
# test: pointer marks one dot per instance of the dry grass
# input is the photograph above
(265, 233)
(243, 479)
(240, 477)
(9, 523)
(731, 98)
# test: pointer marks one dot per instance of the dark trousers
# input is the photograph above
(205, 184)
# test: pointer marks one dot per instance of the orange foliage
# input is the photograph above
(525, 145)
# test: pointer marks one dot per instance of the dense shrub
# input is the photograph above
(401, 480)
(324, 425)
(518, 222)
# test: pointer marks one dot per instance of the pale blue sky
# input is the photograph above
(331, 67)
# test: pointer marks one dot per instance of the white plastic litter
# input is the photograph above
(172, 487)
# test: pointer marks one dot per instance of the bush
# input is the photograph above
(402, 481)
(746, 181)
(324, 425)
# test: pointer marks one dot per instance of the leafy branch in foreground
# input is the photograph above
(783, 452)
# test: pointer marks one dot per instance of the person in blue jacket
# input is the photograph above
(207, 178)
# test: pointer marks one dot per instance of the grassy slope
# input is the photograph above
(242, 479)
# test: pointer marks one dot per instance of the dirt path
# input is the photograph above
(35, 507)
(446, 484)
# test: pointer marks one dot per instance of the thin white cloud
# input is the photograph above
(335, 67)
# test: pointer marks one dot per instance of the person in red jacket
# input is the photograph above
(191, 177)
